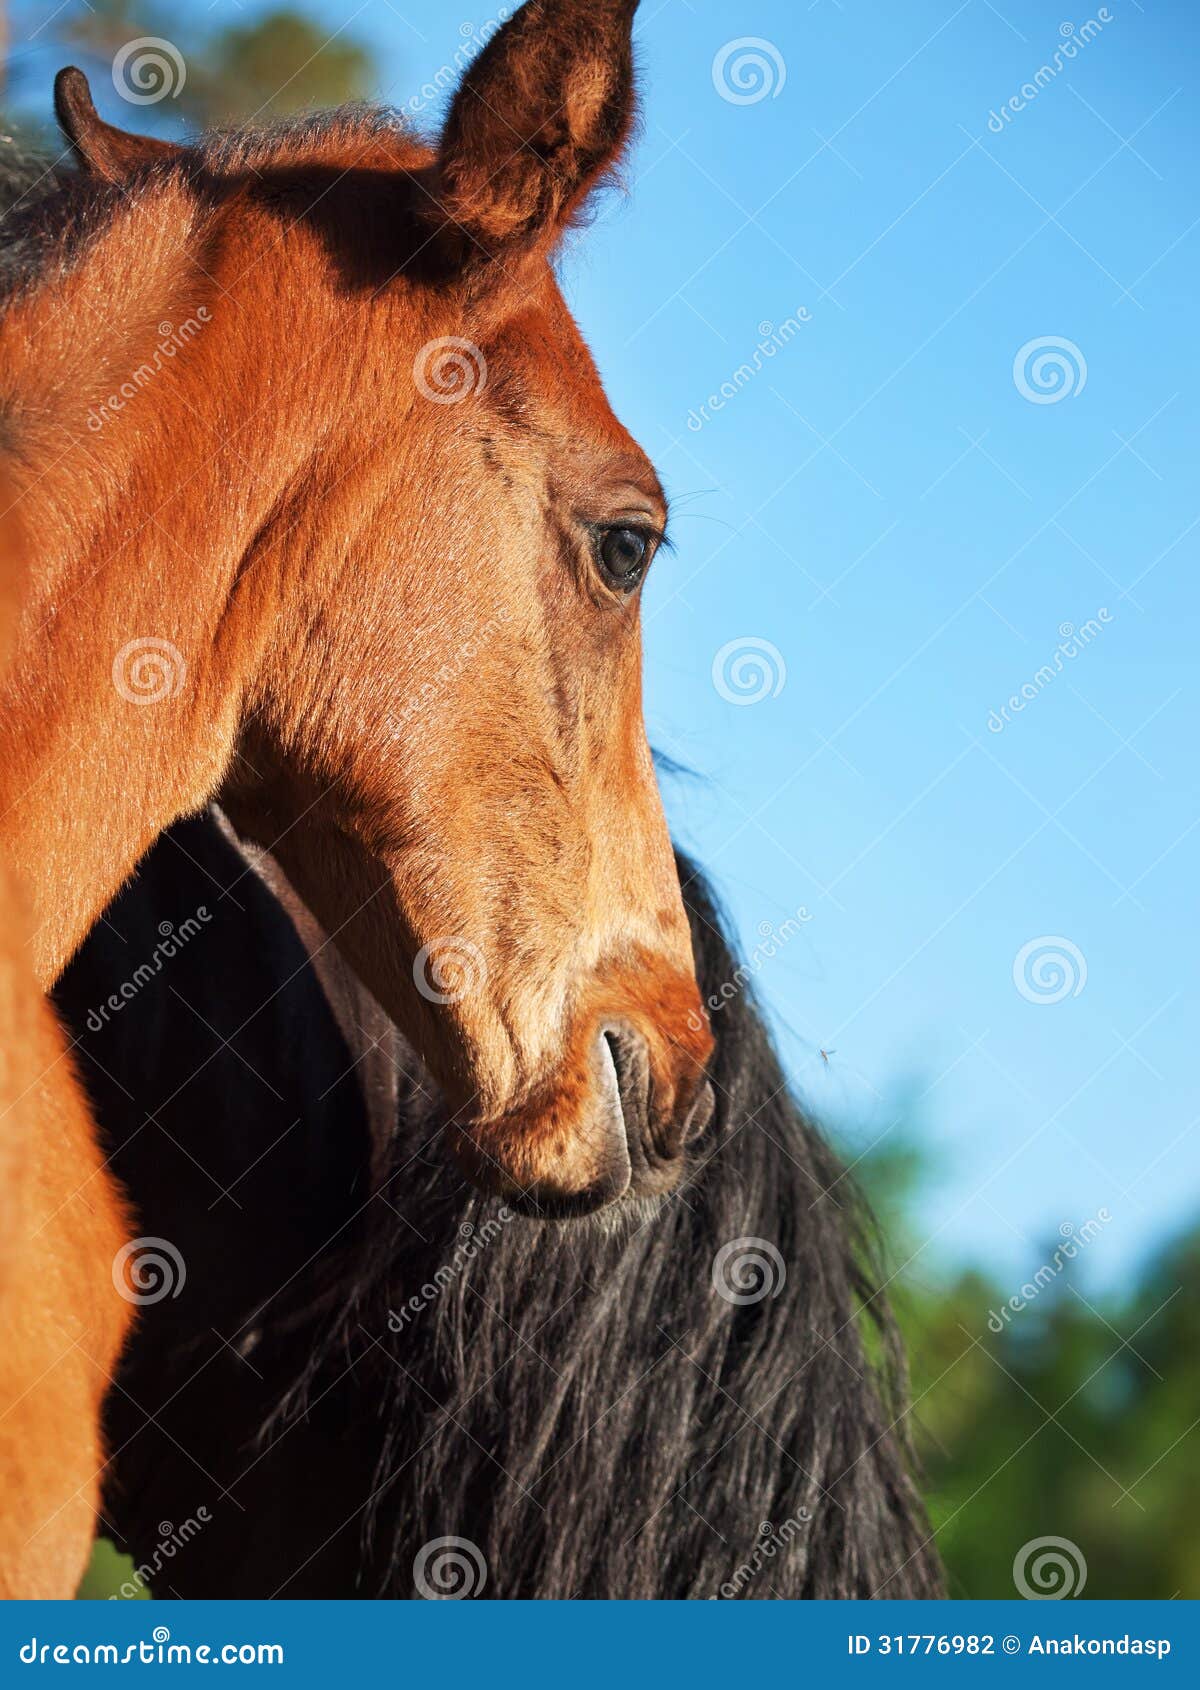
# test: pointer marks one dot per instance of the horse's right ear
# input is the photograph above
(99, 148)
(539, 117)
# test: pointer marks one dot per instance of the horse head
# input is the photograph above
(435, 532)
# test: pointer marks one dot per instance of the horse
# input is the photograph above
(356, 1376)
(398, 635)
(328, 515)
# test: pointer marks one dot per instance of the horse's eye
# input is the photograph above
(624, 555)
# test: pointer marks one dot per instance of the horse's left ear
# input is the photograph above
(538, 118)
(99, 148)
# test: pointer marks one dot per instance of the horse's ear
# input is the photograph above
(538, 118)
(99, 148)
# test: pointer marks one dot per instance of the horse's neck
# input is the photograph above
(119, 713)
(122, 706)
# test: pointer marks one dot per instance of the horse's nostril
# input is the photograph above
(630, 1137)
(631, 1059)
(656, 1139)
(700, 1115)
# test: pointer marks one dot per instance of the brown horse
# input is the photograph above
(329, 514)
(400, 633)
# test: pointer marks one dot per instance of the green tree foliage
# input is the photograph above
(280, 62)
(1079, 1419)
(277, 64)
(1075, 1416)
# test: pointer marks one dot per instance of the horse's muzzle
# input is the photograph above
(640, 1139)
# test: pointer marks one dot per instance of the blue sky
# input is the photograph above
(908, 514)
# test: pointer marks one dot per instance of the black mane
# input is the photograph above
(577, 1400)
(49, 208)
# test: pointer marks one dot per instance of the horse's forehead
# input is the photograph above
(544, 361)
